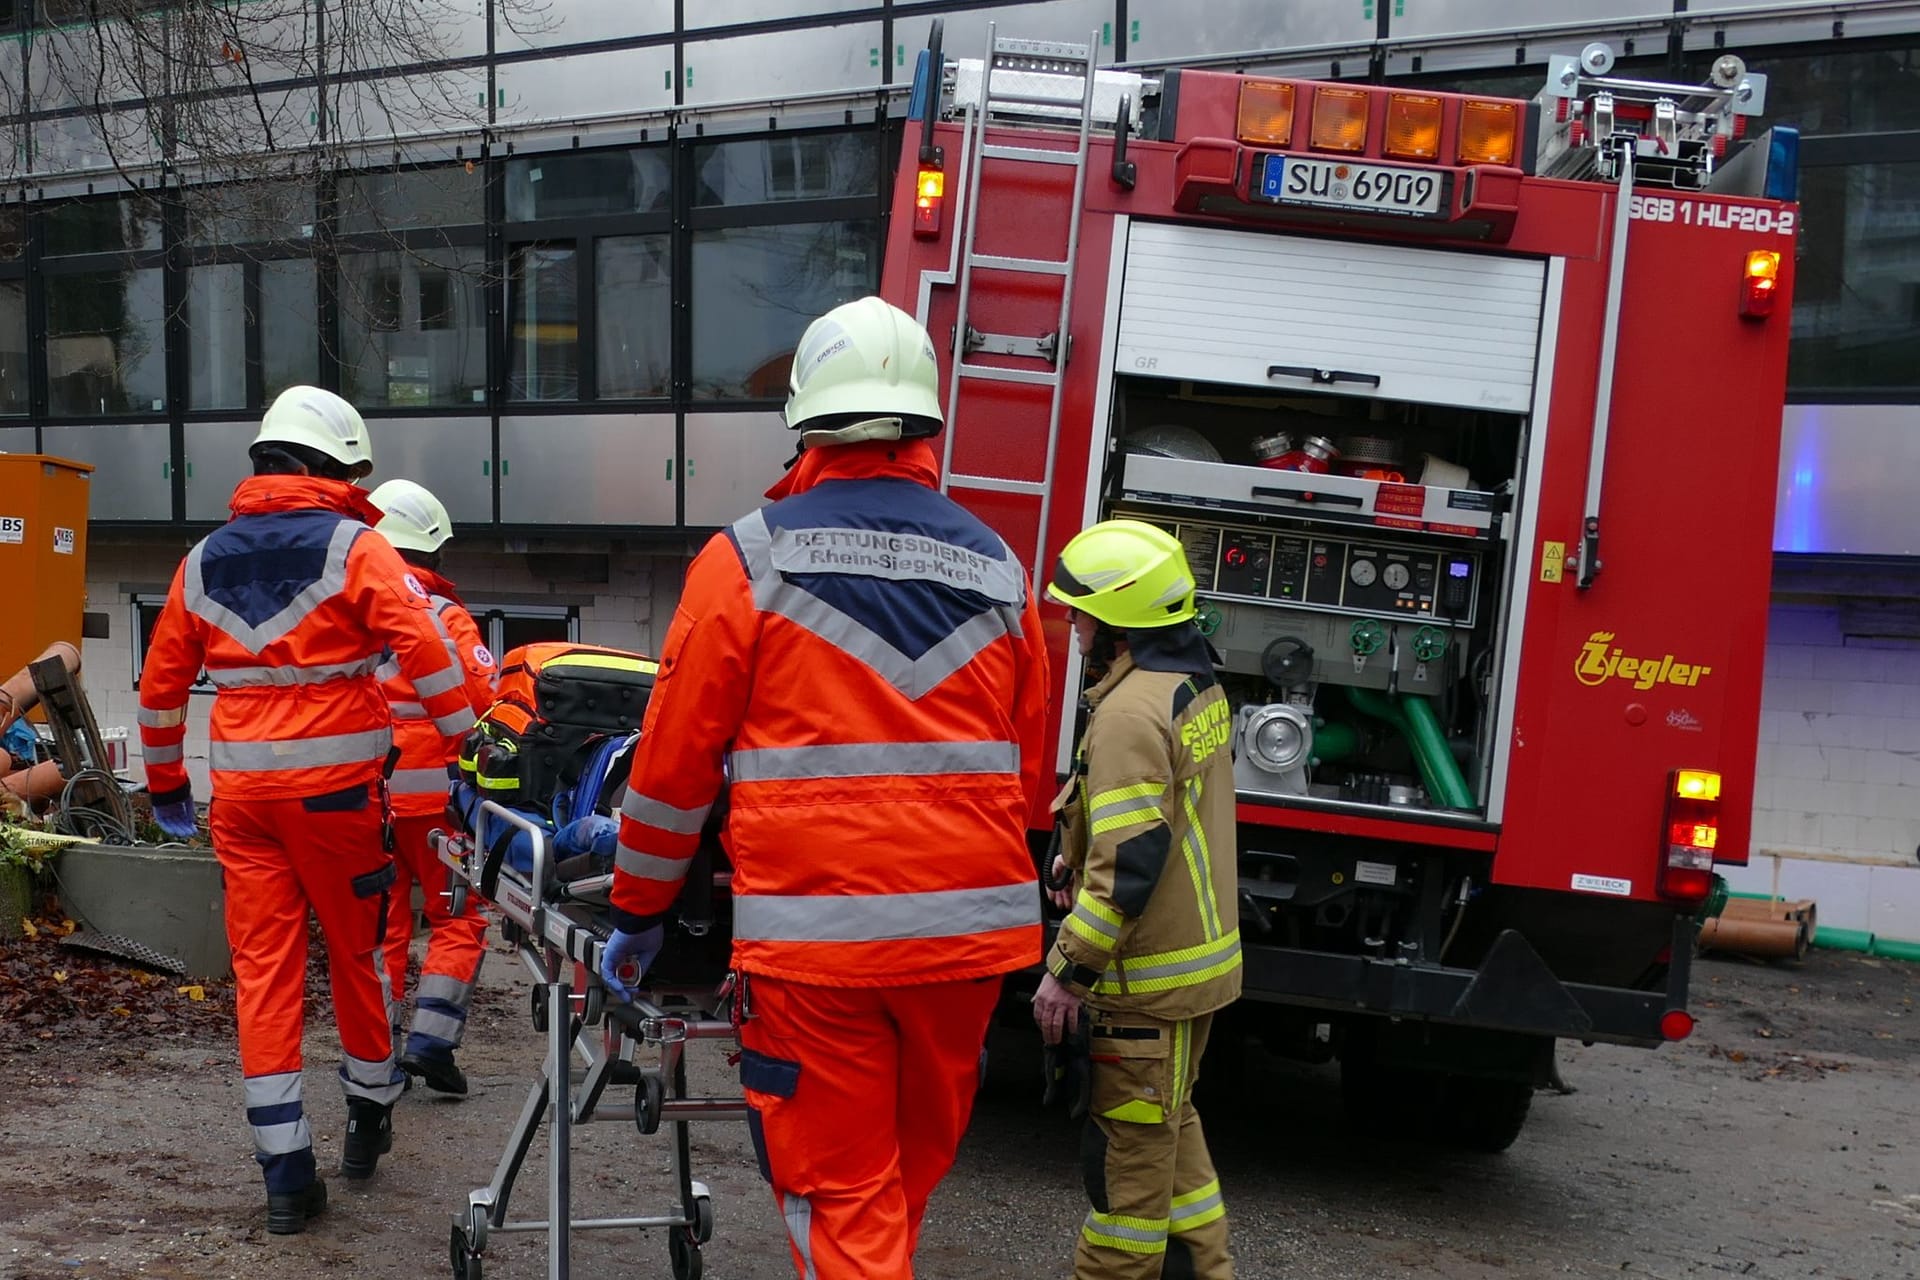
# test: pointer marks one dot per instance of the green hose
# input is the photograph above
(1413, 716)
(1333, 740)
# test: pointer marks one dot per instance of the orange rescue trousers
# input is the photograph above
(858, 1097)
(278, 858)
(455, 946)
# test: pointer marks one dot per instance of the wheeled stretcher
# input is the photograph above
(558, 927)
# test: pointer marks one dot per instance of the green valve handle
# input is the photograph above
(1367, 636)
(1429, 644)
(1207, 617)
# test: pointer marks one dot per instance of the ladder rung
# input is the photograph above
(1033, 266)
(1057, 101)
(1047, 49)
(1031, 487)
(994, 373)
(1031, 155)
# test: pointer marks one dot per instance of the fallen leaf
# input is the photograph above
(121, 1011)
(59, 975)
(67, 927)
(26, 926)
(1734, 1055)
(194, 992)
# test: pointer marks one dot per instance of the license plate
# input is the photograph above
(1341, 185)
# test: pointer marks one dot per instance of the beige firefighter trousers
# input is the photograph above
(1157, 1210)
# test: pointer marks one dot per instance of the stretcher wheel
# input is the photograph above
(539, 998)
(702, 1219)
(649, 1097)
(466, 1263)
(685, 1254)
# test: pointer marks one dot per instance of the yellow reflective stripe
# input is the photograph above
(1202, 859)
(1195, 1196)
(1170, 982)
(605, 661)
(1084, 930)
(496, 784)
(1196, 1208)
(1130, 1235)
(1166, 970)
(1138, 1111)
(1180, 1032)
(1132, 791)
(1146, 813)
(1099, 909)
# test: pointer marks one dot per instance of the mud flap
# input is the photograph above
(1514, 988)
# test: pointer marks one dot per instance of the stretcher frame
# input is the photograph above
(642, 1044)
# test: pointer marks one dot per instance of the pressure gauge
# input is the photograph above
(1396, 576)
(1363, 572)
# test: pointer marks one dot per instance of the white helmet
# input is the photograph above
(415, 520)
(319, 420)
(864, 371)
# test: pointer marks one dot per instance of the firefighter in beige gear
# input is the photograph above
(1150, 949)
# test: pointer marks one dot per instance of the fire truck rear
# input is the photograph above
(1467, 412)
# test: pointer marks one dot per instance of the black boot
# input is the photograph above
(440, 1073)
(287, 1215)
(369, 1136)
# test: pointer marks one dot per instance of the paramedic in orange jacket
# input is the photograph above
(418, 527)
(288, 608)
(865, 658)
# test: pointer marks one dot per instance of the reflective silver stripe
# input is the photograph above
(1103, 1225)
(666, 817)
(388, 670)
(331, 582)
(943, 913)
(301, 753)
(282, 1139)
(162, 719)
(1213, 953)
(438, 986)
(798, 1212)
(914, 678)
(1182, 1212)
(455, 723)
(373, 1081)
(164, 755)
(1145, 806)
(897, 557)
(407, 710)
(441, 1026)
(285, 676)
(648, 867)
(415, 782)
(1104, 928)
(271, 1091)
(872, 760)
(439, 682)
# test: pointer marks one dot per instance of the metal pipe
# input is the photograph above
(1603, 397)
(1414, 718)
(681, 1109)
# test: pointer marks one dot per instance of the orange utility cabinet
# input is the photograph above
(43, 552)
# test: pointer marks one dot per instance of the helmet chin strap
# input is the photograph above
(854, 433)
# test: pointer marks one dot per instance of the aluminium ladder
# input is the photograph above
(1021, 78)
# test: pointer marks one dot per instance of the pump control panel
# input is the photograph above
(1355, 575)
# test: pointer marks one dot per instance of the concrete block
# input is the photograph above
(1845, 664)
(1842, 890)
(1791, 829)
(169, 899)
(1858, 731)
(1755, 877)
(1898, 733)
(1900, 803)
(1800, 762)
(1862, 698)
(1840, 832)
(1888, 835)
(1789, 662)
(1894, 903)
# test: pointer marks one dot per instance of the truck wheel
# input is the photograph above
(1384, 1102)
(1480, 1114)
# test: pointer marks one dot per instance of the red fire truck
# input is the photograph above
(1467, 411)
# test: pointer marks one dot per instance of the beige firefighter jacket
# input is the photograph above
(1149, 822)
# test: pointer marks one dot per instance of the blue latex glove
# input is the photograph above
(595, 834)
(623, 948)
(177, 819)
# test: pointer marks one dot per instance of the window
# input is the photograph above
(757, 288)
(510, 626)
(217, 352)
(411, 200)
(13, 232)
(102, 226)
(146, 615)
(634, 306)
(588, 184)
(289, 326)
(816, 166)
(249, 213)
(1855, 325)
(543, 335)
(13, 347)
(1841, 91)
(105, 343)
(413, 328)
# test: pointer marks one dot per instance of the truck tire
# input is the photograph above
(1382, 1101)
(1480, 1114)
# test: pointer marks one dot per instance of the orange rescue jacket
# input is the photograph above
(287, 608)
(863, 661)
(420, 780)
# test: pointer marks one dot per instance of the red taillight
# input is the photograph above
(1761, 283)
(930, 192)
(1676, 1024)
(1692, 829)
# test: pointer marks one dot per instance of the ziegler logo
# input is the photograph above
(1600, 661)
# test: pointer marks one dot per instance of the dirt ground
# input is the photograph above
(1780, 1142)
